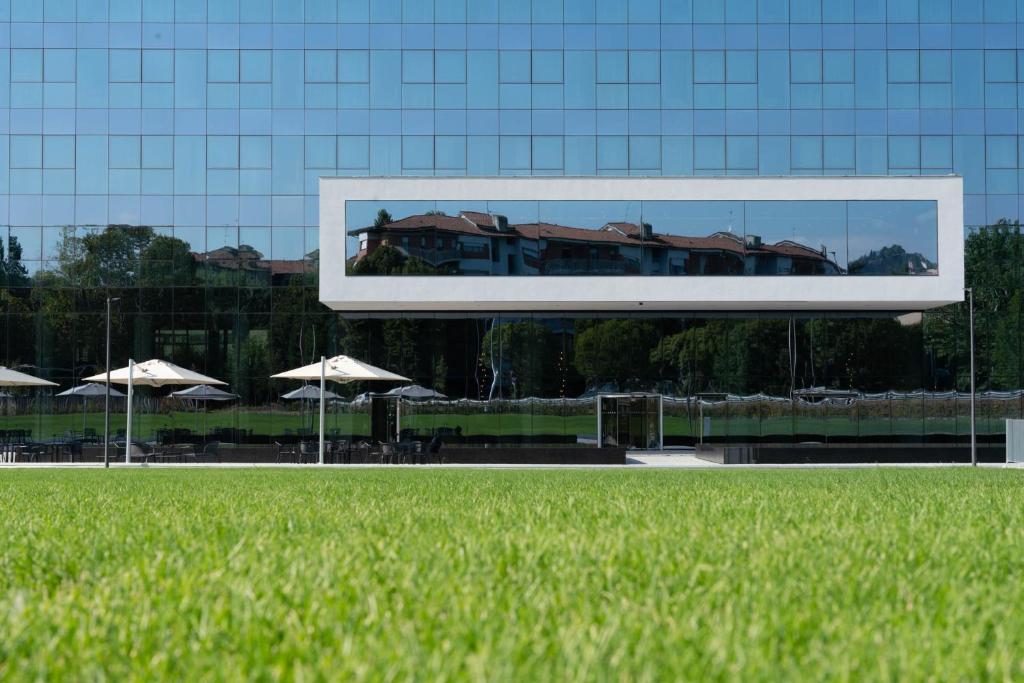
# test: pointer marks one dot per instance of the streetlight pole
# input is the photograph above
(106, 400)
(974, 434)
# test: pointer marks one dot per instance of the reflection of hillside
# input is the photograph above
(892, 260)
(474, 243)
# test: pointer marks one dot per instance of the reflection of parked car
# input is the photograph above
(361, 398)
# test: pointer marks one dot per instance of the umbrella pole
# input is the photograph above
(128, 427)
(323, 382)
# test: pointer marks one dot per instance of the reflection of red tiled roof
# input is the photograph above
(247, 258)
(484, 220)
(718, 242)
(469, 223)
(631, 229)
(790, 248)
(551, 231)
(477, 223)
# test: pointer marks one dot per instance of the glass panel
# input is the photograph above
(606, 238)
(893, 238)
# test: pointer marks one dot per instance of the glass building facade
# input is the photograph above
(167, 152)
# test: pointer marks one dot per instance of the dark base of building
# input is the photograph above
(550, 455)
(461, 455)
(819, 454)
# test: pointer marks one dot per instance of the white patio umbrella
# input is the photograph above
(151, 373)
(13, 378)
(338, 369)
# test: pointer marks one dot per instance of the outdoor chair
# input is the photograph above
(138, 451)
(309, 451)
(14, 452)
(405, 452)
(387, 453)
(168, 454)
(340, 452)
(210, 452)
(434, 448)
(74, 449)
(285, 452)
(367, 453)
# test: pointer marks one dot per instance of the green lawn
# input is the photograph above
(511, 575)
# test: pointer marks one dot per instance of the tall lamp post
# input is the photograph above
(106, 399)
(974, 437)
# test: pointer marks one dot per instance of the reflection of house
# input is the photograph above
(474, 243)
(247, 260)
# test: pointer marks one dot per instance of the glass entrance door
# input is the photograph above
(630, 420)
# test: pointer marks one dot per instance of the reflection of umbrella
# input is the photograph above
(204, 392)
(87, 391)
(91, 390)
(152, 373)
(309, 393)
(13, 378)
(415, 391)
(338, 369)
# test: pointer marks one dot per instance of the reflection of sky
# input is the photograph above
(911, 224)
(590, 214)
(872, 224)
(812, 224)
(694, 219)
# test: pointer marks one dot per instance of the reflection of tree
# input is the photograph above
(614, 351)
(751, 356)
(132, 263)
(12, 270)
(701, 357)
(867, 354)
(440, 378)
(387, 260)
(993, 267)
(105, 258)
(249, 371)
(521, 357)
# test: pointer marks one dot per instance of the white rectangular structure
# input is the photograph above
(390, 294)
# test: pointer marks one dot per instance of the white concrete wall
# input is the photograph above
(638, 293)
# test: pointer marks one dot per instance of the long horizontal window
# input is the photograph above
(662, 238)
